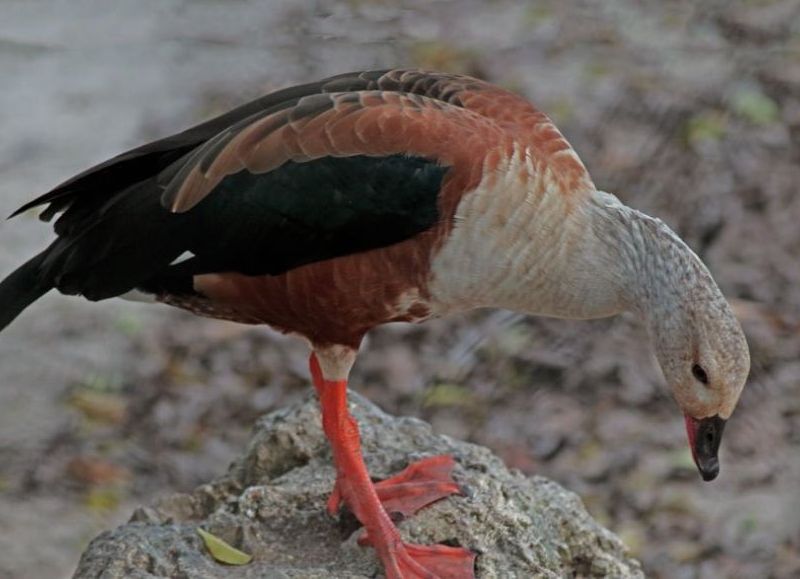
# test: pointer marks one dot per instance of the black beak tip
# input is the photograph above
(709, 471)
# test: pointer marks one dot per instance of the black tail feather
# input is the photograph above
(20, 289)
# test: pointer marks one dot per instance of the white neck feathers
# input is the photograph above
(521, 243)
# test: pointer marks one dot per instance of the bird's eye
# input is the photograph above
(700, 374)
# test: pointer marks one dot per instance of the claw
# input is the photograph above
(431, 562)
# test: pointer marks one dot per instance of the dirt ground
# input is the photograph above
(689, 111)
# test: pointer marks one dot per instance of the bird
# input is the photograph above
(327, 209)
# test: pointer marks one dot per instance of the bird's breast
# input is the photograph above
(512, 240)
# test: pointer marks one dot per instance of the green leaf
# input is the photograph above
(755, 106)
(223, 552)
(705, 126)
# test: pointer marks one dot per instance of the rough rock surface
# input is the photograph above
(272, 504)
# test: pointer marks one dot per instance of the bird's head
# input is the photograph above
(704, 356)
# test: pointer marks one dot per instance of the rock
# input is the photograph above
(271, 504)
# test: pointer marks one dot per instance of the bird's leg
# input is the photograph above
(418, 485)
(356, 490)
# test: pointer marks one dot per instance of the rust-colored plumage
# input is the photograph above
(370, 123)
(325, 210)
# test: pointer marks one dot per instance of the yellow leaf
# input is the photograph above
(444, 395)
(103, 499)
(223, 552)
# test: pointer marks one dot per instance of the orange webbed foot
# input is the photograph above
(417, 486)
(410, 561)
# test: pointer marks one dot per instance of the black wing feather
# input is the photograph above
(148, 160)
(21, 288)
(251, 223)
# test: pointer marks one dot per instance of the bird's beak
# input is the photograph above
(705, 435)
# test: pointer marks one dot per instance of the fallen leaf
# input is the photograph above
(436, 55)
(755, 106)
(222, 551)
(103, 499)
(96, 471)
(104, 407)
(706, 126)
(634, 535)
(445, 395)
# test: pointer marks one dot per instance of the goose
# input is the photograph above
(328, 209)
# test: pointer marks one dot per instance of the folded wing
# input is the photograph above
(288, 180)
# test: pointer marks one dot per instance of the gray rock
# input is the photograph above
(272, 504)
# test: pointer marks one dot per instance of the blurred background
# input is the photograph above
(689, 111)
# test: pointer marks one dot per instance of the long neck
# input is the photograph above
(528, 247)
(615, 259)
(651, 270)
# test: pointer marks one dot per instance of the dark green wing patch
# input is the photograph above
(305, 212)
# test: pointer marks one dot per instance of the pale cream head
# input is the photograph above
(702, 351)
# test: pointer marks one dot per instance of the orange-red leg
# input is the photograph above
(354, 487)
